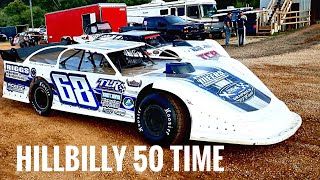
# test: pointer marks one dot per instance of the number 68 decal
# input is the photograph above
(74, 89)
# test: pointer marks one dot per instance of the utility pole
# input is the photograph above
(31, 14)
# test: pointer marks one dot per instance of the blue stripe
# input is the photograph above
(24, 83)
(262, 96)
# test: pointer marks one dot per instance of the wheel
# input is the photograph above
(22, 44)
(27, 44)
(203, 37)
(41, 96)
(66, 40)
(11, 41)
(163, 119)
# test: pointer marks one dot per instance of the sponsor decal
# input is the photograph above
(134, 83)
(196, 48)
(208, 55)
(16, 76)
(15, 87)
(33, 72)
(207, 46)
(230, 88)
(236, 92)
(16, 72)
(211, 78)
(128, 103)
(111, 85)
(111, 100)
(18, 69)
(169, 120)
(118, 112)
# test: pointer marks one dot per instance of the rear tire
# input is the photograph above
(41, 96)
(163, 119)
(11, 41)
(22, 45)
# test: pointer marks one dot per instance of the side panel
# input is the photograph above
(17, 79)
(116, 16)
(68, 22)
(98, 95)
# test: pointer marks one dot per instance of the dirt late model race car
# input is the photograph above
(170, 101)
(158, 48)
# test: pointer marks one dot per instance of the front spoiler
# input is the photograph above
(234, 139)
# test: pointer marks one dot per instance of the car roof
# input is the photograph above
(107, 46)
(138, 33)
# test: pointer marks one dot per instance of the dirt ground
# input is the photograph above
(289, 64)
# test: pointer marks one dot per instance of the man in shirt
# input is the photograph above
(227, 22)
(241, 29)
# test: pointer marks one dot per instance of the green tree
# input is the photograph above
(38, 16)
(3, 19)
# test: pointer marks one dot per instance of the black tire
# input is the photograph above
(66, 41)
(11, 41)
(163, 119)
(22, 44)
(203, 37)
(27, 44)
(41, 96)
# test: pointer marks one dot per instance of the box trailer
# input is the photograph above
(73, 22)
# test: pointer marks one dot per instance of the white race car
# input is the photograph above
(170, 101)
(158, 48)
(91, 32)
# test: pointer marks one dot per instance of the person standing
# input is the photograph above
(227, 22)
(244, 27)
(240, 30)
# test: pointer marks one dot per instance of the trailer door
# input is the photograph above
(88, 19)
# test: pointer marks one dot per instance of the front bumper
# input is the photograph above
(270, 125)
(196, 35)
(216, 31)
(252, 140)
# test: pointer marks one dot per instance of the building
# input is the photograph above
(282, 15)
(299, 5)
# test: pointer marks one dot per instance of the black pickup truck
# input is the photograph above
(171, 27)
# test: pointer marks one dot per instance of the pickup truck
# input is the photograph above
(171, 27)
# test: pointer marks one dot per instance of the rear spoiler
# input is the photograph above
(15, 55)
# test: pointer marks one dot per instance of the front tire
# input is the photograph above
(163, 119)
(41, 96)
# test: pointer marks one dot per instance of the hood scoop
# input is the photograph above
(179, 68)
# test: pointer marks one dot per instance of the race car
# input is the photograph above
(158, 48)
(170, 101)
(26, 39)
(91, 32)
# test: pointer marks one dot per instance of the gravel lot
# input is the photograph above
(288, 64)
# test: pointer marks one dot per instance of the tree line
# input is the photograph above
(17, 12)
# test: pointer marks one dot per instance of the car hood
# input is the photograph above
(226, 81)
